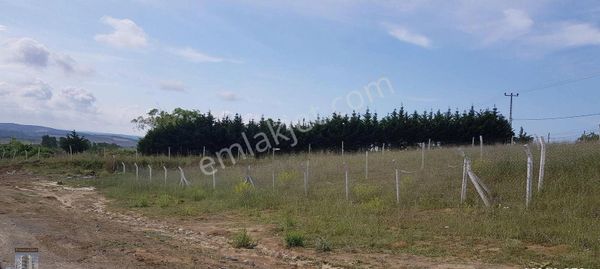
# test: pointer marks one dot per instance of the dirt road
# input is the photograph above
(73, 229)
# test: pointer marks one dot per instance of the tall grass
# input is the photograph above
(562, 225)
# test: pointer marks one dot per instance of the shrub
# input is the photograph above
(294, 239)
(140, 201)
(243, 240)
(242, 188)
(322, 245)
(364, 192)
(198, 194)
(164, 200)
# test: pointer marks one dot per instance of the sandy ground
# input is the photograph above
(73, 228)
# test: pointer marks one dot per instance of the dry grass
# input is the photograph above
(561, 227)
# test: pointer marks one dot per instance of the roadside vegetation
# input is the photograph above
(561, 227)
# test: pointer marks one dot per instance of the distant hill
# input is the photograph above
(33, 134)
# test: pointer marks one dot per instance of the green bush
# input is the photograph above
(294, 239)
(164, 200)
(140, 201)
(243, 240)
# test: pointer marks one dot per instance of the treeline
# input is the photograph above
(192, 132)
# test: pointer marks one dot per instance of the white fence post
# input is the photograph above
(367, 164)
(38, 155)
(397, 187)
(542, 164)
(26, 155)
(346, 181)
(476, 183)
(463, 189)
(150, 172)
(182, 180)
(165, 168)
(529, 176)
(214, 178)
(137, 174)
(422, 155)
(342, 149)
(123, 167)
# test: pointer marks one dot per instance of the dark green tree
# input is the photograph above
(49, 142)
(74, 142)
(523, 137)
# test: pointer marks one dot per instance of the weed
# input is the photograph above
(243, 240)
(294, 239)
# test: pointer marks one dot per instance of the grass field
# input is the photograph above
(561, 227)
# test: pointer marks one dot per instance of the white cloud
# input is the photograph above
(403, 34)
(68, 65)
(77, 99)
(126, 34)
(31, 53)
(228, 96)
(172, 85)
(514, 23)
(568, 35)
(28, 52)
(195, 56)
(37, 90)
(2, 28)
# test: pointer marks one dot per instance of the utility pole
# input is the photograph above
(510, 113)
(511, 95)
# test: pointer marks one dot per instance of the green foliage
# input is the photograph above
(243, 240)
(140, 201)
(365, 192)
(164, 200)
(523, 137)
(49, 142)
(294, 239)
(589, 137)
(74, 142)
(182, 130)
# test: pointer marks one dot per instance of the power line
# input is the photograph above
(563, 82)
(561, 118)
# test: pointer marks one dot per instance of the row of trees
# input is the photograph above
(73, 142)
(190, 131)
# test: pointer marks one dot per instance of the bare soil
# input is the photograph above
(74, 228)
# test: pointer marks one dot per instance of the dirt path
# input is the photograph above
(73, 229)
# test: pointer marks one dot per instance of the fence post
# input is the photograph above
(397, 187)
(529, 176)
(26, 155)
(463, 189)
(150, 172)
(481, 146)
(542, 164)
(182, 180)
(214, 178)
(342, 149)
(123, 167)
(169, 149)
(367, 164)
(165, 168)
(429, 144)
(473, 141)
(422, 155)
(38, 155)
(346, 181)
(475, 181)
(137, 175)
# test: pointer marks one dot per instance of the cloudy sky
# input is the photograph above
(96, 65)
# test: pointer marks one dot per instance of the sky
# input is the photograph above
(95, 65)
